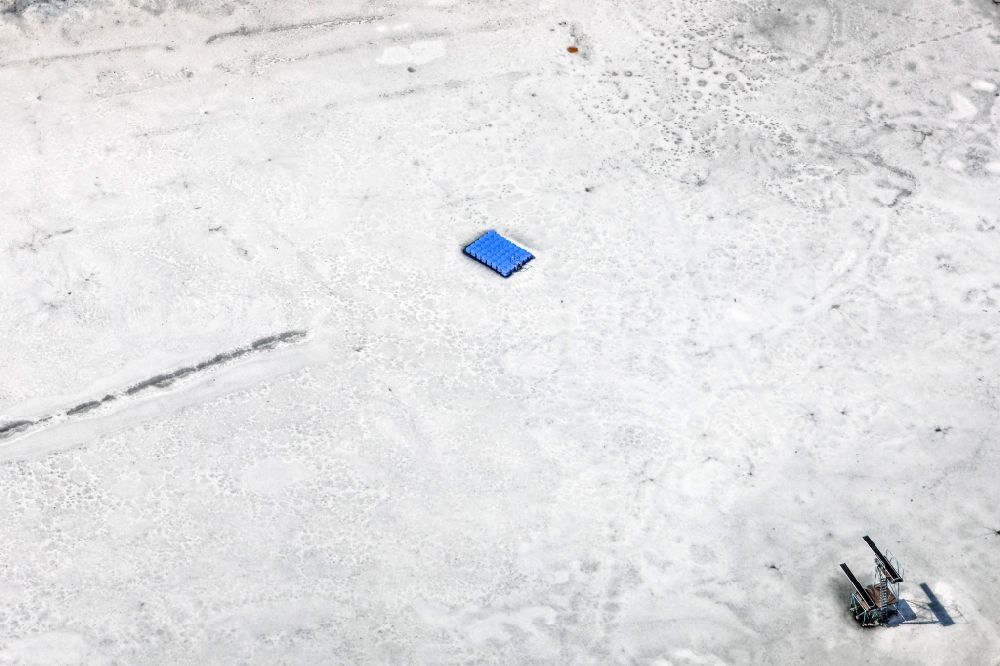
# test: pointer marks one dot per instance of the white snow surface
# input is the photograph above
(763, 322)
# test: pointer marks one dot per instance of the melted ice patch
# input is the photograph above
(962, 106)
(272, 475)
(417, 52)
(52, 648)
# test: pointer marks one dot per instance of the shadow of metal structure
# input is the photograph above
(912, 611)
(904, 615)
(935, 606)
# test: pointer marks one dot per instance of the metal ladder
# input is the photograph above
(883, 594)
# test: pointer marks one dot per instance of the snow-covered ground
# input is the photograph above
(257, 407)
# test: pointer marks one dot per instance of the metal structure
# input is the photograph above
(498, 253)
(874, 604)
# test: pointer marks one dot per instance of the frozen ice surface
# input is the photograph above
(767, 324)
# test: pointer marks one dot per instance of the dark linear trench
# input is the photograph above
(244, 31)
(160, 381)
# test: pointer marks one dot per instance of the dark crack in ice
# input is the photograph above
(160, 381)
(11, 427)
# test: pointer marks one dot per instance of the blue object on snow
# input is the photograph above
(498, 253)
